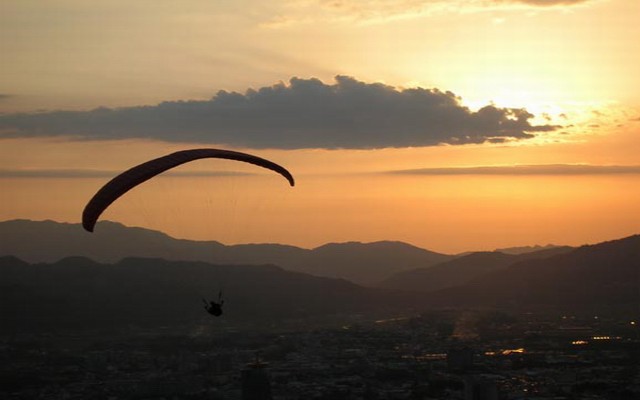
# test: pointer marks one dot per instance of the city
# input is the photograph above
(438, 355)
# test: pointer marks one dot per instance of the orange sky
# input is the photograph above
(573, 66)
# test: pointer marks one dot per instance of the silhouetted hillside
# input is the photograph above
(48, 241)
(460, 270)
(604, 276)
(450, 273)
(526, 249)
(12, 262)
(77, 292)
(368, 263)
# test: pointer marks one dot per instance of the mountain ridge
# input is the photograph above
(78, 293)
(362, 263)
(461, 270)
(602, 276)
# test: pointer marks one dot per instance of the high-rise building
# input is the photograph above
(255, 381)
(460, 359)
(480, 388)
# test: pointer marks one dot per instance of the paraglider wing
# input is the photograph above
(145, 171)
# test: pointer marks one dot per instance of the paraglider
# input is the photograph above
(214, 308)
(131, 178)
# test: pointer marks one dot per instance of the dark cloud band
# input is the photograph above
(306, 113)
(550, 169)
(546, 3)
(90, 173)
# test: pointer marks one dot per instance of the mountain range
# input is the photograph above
(603, 277)
(362, 263)
(77, 292)
(461, 270)
(600, 277)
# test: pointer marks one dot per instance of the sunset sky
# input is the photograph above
(453, 125)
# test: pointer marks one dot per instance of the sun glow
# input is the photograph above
(515, 87)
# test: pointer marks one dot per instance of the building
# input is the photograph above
(460, 359)
(480, 388)
(255, 381)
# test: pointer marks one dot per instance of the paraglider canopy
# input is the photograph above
(131, 178)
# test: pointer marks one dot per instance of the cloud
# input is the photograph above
(547, 169)
(4, 96)
(375, 7)
(544, 3)
(91, 173)
(306, 113)
(375, 11)
(53, 173)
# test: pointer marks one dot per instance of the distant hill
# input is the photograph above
(77, 292)
(460, 270)
(367, 263)
(526, 249)
(362, 263)
(604, 276)
(450, 273)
